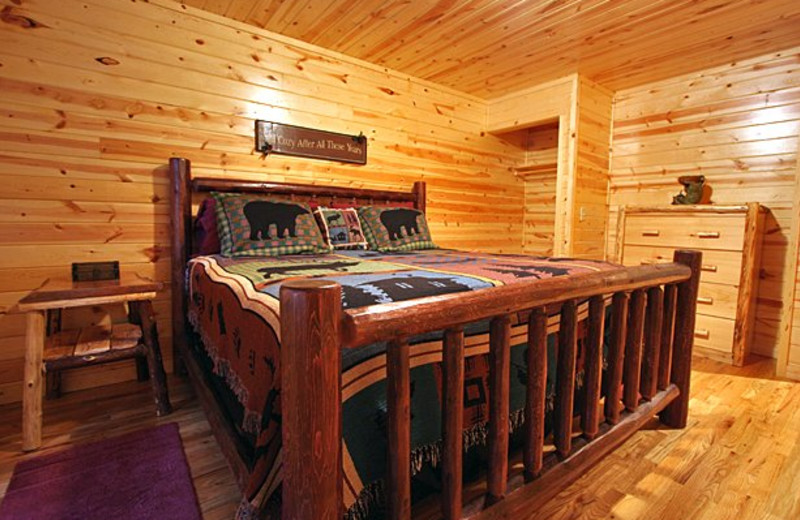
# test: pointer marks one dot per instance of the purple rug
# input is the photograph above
(140, 475)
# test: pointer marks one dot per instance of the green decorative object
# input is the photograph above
(692, 190)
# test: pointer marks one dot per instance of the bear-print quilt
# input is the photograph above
(234, 309)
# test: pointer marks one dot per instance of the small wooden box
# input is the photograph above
(95, 271)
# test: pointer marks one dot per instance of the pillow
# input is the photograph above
(256, 225)
(395, 229)
(206, 239)
(341, 228)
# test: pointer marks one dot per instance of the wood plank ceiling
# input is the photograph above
(492, 47)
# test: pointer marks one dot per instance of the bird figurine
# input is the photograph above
(692, 190)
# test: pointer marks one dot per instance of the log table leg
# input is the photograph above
(53, 378)
(32, 392)
(142, 366)
(142, 314)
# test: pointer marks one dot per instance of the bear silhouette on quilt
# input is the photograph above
(397, 289)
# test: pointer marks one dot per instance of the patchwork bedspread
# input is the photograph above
(234, 308)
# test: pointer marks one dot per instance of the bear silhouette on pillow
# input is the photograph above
(395, 220)
(262, 214)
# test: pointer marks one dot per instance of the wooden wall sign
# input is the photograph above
(307, 142)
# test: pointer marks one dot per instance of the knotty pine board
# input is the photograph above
(492, 48)
(590, 207)
(539, 220)
(84, 145)
(737, 125)
(539, 173)
(788, 363)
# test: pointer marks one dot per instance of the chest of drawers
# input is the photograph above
(730, 239)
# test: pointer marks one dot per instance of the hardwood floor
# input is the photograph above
(738, 458)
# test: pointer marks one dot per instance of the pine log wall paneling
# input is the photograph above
(788, 364)
(593, 129)
(539, 173)
(737, 125)
(97, 96)
(539, 217)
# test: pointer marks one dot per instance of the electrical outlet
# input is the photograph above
(581, 214)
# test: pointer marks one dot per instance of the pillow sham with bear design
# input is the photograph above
(252, 225)
(395, 229)
(341, 228)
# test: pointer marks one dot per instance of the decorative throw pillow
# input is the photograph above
(341, 228)
(395, 229)
(256, 225)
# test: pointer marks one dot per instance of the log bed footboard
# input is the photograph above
(649, 363)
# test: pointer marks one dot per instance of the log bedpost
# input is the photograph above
(311, 313)
(676, 414)
(420, 195)
(181, 249)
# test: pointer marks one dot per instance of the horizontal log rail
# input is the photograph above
(384, 322)
(209, 184)
(651, 326)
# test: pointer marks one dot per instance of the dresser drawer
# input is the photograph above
(723, 232)
(714, 333)
(723, 267)
(717, 300)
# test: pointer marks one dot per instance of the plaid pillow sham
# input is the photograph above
(252, 225)
(395, 229)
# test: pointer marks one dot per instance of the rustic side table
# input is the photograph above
(67, 349)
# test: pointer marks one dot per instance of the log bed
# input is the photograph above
(649, 359)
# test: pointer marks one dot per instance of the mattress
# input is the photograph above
(234, 309)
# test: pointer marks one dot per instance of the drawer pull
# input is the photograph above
(709, 268)
(705, 299)
(651, 233)
(702, 333)
(708, 234)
